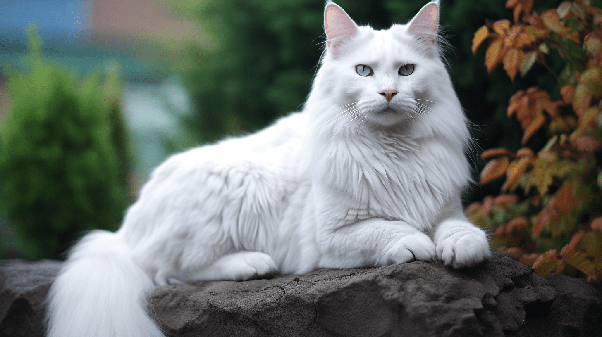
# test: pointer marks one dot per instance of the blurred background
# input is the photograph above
(146, 78)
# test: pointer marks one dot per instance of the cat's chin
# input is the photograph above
(388, 117)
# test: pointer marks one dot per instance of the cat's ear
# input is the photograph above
(339, 27)
(426, 23)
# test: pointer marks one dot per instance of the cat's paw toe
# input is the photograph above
(252, 265)
(465, 247)
(257, 265)
(416, 246)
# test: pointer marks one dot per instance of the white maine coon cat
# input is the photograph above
(370, 173)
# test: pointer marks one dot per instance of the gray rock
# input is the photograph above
(499, 297)
(23, 289)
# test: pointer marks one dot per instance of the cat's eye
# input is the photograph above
(363, 70)
(406, 69)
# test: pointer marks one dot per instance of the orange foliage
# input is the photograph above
(494, 169)
(520, 6)
(549, 216)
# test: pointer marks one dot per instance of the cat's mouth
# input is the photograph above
(388, 110)
(389, 115)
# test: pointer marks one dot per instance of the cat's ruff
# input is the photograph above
(369, 173)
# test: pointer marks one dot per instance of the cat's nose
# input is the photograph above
(388, 94)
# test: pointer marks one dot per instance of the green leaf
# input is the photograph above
(544, 48)
(527, 63)
(584, 262)
(591, 243)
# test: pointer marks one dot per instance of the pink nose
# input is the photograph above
(388, 94)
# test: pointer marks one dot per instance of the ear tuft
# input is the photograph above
(339, 27)
(426, 23)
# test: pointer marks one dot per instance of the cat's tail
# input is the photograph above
(100, 292)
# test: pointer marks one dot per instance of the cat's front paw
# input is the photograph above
(415, 246)
(462, 245)
(239, 266)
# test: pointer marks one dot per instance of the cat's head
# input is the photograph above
(383, 78)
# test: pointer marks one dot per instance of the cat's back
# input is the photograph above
(274, 148)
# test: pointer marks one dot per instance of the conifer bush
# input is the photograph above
(62, 155)
(549, 211)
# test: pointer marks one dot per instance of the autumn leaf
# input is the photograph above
(494, 54)
(514, 251)
(588, 144)
(518, 223)
(501, 231)
(546, 262)
(591, 243)
(597, 224)
(546, 167)
(494, 169)
(560, 266)
(488, 203)
(515, 172)
(564, 9)
(551, 108)
(524, 152)
(529, 259)
(512, 61)
(593, 43)
(536, 32)
(475, 206)
(529, 107)
(520, 6)
(480, 36)
(583, 261)
(571, 9)
(542, 219)
(480, 217)
(582, 98)
(590, 86)
(501, 27)
(551, 20)
(516, 102)
(558, 215)
(588, 118)
(567, 92)
(505, 200)
(496, 152)
(533, 127)
(569, 249)
(522, 38)
(565, 200)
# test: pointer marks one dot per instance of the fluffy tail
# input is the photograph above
(100, 292)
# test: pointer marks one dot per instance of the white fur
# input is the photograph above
(350, 181)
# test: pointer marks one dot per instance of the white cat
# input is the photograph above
(369, 174)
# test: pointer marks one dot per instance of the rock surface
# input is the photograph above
(500, 297)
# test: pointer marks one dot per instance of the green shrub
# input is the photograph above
(60, 168)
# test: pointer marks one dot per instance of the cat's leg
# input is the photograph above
(374, 242)
(460, 243)
(238, 266)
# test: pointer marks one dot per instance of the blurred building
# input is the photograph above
(92, 35)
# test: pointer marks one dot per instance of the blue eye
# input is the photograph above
(363, 70)
(406, 69)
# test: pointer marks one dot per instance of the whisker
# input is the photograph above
(421, 106)
(420, 99)
(337, 117)
(364, 115)
(355, 111)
